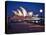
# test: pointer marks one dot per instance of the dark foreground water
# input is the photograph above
(24, 27)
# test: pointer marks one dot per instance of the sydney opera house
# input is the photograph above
(25, 16)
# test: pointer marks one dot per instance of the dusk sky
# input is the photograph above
(34, 7)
